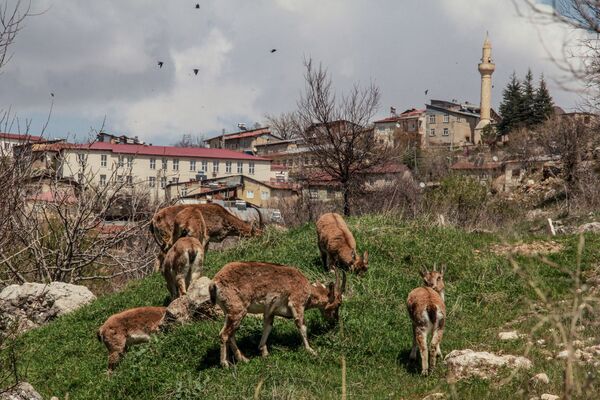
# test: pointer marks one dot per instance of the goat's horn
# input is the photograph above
(343, 288)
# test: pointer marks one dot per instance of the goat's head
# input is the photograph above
(359, 264)
(434, 279)
(188, 224)
(329, 298)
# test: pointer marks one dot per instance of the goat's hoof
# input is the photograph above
(225, 364)
(312, 352)
(264, 352)
(425, 372)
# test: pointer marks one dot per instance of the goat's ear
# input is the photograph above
(331, 291)
(366, 257)
(423, 272)
(443, 269)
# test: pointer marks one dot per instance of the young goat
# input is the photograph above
(427, 311)
(271, 289)
(337, 245)
(183, 263)
(128, 328)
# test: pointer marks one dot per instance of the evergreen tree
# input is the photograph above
(543, 104)
(511, 108)
(528, 116)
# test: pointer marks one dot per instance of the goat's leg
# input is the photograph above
(436, 339)
(298, 314)
(421, 334)
(239, 356)
(267, 326)
(181, 286)
(413, 351)
(116, 350)
(225, 334)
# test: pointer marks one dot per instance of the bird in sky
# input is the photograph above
(197, 5)
(160, 64)
(196, 71)
(273, 50)
(52, 94)
(426, 90)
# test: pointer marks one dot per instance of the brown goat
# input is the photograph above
(182, 264)
(337, 244)
(219, 223)
(271, 289)
(427, 310)
(127, 328)
(190, 222)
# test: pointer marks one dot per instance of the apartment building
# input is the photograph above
(245, 140)
(9, 140)
(405, 129)
(148, 167)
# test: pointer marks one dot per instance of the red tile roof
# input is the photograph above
(406, 114)
(18, 136)
(165, 151)
(244, 134)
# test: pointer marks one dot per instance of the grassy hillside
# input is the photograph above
(481, 290)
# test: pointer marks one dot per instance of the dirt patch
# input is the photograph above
(527, 249)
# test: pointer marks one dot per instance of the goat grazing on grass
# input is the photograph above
(337, 245)
(427, 310)
(128, 328)
(271, 289)
(182, 264)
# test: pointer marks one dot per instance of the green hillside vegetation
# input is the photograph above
(482, 294)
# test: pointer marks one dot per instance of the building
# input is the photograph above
(109, 138)
(292, 154)
(146, 167)
(451, 124)
(9, 140)
(408, 128)
(263, 194)
(244, 141)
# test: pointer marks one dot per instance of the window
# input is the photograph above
(80, 178)
(163, 182)
(164, 163)
(129, 162)
(432, 119)
(215, 166)
(264, 195)
(152, 181)
(251, 167)
(314, 193)
(81, 158)
(129, 180)
(250, 194)
(432, 132)
(120, 178)
(102, 180)
(184, 191)
(239, 167)
(103, 159)
(446, 118)
(445, 132)
(204, 166)
(330, 193)
(193, 165)
(121, 163)
(227, 167)
(6, 145)
(153, 163)
(175, 181)
(175, 165)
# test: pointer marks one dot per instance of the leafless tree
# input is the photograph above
(187, 140)
(336, 130)
(285, 125)
(12, 16)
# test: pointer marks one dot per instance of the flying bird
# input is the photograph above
(196, 71)
(160, 64)
(273, 50)
(52, 94)
(426, 90)
(197, 5)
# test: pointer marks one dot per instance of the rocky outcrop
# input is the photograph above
(194, 306)
(593, 227)
(23, 391)
(467, 363)
(34, 304)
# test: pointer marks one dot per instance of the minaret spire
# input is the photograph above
(486, 69)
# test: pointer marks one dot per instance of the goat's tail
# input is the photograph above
(212, 290)
(99, 336)
(192, 254)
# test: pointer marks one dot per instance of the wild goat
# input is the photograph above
(271, 289)
(219, 223)
(190, 222)
(337, 245)
(183, 263)
(427, 310)
(128, 328)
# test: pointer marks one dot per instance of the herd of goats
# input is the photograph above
(183, 233)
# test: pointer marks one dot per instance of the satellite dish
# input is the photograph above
(422, 185)
(397, 125)
(495, 159)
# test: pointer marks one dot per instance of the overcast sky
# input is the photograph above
(100, 58)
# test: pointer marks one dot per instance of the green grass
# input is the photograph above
(482, 294)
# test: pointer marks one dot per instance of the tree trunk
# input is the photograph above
(346, 191)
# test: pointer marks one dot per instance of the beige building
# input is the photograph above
(407, 128)
(245, 141)
(451, 124)
(9, 140)
(146, 167)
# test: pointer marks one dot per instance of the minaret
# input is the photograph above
(486, 69)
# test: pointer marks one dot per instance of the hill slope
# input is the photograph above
(482, 294)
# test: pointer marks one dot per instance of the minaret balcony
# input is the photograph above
(487, 68)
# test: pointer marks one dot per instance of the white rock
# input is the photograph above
(540, 379)
(194, 306)
(23, 391)
(540, 342)
(467, 363)
(593, 227)
(547, 396)
(511, 335)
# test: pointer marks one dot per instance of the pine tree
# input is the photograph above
(528, 116)
(543, 104)
(511, 108)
